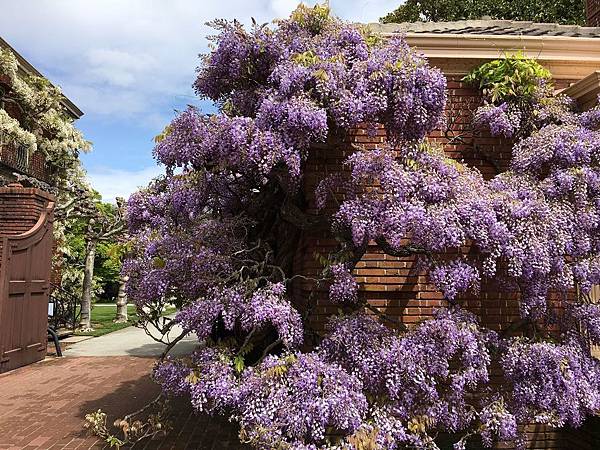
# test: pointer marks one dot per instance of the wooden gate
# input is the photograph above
(25, 267)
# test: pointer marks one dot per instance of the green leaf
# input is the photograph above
(113, 441)
(512, 77)
(158, 262)
(239, 363)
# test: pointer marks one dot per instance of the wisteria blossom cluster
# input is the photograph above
(535, 226)
(418, 382)
(218, 236)
(503, 120)
(266, 306)
(311, 72)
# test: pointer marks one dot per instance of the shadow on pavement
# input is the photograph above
(190, 431)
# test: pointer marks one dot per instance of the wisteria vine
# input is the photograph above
(217, 236)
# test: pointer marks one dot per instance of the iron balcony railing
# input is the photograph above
(17, 157)
(22, 158)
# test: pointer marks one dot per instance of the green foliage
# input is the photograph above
(543, 11)
(109, 257)
(163, 134)
(71, 260)
(313, 19)
(113, 441)
(306, 59)
(239, 363)
(107, 268)
(281, 369)
(514, 77)
(371, 39)
(107, 264)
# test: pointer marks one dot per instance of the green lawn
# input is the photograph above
(102, 320)
(103, 316)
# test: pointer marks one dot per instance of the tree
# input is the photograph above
(107, 264)
(121, 315)
(217, 236)
(542, 11)
(109, 261)
(104, 222)
(115, 252)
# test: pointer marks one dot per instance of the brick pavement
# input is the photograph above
(42, 406)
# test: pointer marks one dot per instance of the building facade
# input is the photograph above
(26, 237)
(17, 160)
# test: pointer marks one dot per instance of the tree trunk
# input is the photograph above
(122, 301)
(88, 275)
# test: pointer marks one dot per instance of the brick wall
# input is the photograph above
(593, 13)
(392, 284)
(20, 208)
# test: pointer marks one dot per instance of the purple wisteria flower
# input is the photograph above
(224, 235)
(502, 120)
(344, 287)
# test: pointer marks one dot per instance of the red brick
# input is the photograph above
(117, 385)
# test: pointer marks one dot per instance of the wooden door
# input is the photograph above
(25, 266)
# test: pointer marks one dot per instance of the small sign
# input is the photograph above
(50, 309)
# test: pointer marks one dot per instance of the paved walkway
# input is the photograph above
(131, 341)
(42, 406)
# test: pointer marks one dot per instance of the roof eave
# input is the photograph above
(585, 91)
(567, 57)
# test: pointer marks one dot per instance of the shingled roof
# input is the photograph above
(491, 28)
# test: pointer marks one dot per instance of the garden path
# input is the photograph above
(43, 406)
(131, 341)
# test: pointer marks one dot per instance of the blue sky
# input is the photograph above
(129, 64)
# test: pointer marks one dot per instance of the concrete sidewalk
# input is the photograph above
(132, 341)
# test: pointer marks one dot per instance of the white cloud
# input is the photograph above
(117, 103)
(113, 183)
(129, 64)
(129, 58)
(117, 67)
